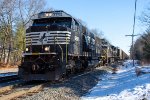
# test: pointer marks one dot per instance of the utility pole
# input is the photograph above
(132, 35)
(132, 47)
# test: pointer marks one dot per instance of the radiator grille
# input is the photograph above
(54, 37)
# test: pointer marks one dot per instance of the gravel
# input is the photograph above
(71, 89)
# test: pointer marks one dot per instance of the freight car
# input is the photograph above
(57, 44)
(122, 55)
(111, 54)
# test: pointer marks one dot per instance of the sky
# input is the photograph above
(113, 17)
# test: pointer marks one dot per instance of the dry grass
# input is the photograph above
(3, 65)
(7, 67)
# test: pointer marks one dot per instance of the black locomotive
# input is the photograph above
(58, 44)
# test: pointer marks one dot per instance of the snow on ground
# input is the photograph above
(8, 74)
(8, 71)
(125, 85)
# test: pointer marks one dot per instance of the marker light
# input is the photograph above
(27, 49)
(46, 48)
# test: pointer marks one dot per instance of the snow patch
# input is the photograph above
(125, 85)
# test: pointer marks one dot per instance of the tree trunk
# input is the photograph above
(1, 56)
(9, 52)
(4, 52)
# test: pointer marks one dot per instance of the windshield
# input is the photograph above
(60, 21)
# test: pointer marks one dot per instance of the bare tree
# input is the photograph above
(145, 16)
(138, 47)
(7, 20)
(142, 47)
(14, 13)
(29, 9)
(82, 22)
(97, 32)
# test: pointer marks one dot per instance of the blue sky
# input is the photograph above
(113, 17)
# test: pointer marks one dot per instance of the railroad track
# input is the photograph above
(8, 78)
(19, 91)
(13, 93)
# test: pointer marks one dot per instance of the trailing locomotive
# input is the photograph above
(57, 44)
(111, 54)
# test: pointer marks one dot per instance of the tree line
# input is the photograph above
(142, 44)
(15, 17)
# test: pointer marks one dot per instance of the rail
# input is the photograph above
(8, 78)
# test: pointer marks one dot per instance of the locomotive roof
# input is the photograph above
(59, 13)
(51, 14)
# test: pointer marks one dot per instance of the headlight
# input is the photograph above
(46, 48)
(27, 49)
